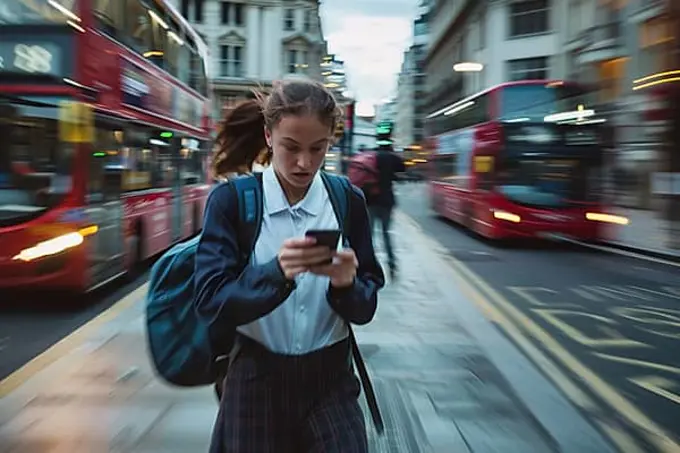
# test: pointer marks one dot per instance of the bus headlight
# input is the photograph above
(507, 216)
(56, 245)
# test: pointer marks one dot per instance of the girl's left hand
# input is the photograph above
(341, 271)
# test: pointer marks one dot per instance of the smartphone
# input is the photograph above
(329, 238)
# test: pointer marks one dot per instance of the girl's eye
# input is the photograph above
(317, 150)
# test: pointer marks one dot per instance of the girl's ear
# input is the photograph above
(268, 137)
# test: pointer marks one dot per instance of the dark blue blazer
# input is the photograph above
(228, 295)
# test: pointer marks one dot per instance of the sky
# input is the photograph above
(370, 36)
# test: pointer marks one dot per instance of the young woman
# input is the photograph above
(290, 387)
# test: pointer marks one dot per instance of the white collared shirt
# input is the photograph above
(304, 322)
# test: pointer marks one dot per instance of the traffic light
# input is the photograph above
(384, 128)
(383, 133)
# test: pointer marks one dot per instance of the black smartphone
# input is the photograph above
(329, 238)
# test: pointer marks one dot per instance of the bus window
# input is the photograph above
(36, 169)
(109, 15)
(138, 30)
(447, 168)
(106, 165)
(190, 161)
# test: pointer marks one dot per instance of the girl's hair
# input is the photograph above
(241, 140)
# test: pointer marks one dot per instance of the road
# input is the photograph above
(609, 323)
(30, 326)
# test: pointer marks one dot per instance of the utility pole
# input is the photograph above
(673, 145)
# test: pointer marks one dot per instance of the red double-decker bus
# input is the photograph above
(104, 138)
(521, 159)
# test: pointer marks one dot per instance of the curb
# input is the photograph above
(654, 253)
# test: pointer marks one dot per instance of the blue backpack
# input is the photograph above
(181, 351)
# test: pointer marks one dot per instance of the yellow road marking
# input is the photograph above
(658, 385)
(614, 339)
(635, 416)
(68, 343)
(620, 438)
(640, 363)
(654, 433)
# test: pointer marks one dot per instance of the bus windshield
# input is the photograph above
(535, 102)
(550, 183)
(22, 12)
(35, 166)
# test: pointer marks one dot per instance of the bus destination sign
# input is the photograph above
(31, 58)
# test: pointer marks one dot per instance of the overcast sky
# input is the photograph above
(370, 36)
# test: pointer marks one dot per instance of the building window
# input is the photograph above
(232, 14)
(528, 69)
(231, 61)
(238, 14)
(297, 61)
(529, 17)
(289, 20)
(292, 61)
(198, 11)
(226, 7)
(481, 42)
(185, 8)
(308, 21)
(612, 76)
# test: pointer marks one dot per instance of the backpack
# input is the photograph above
(363, 172)
(182, 351)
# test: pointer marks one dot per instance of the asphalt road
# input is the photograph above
(31, 325)
(610, 323)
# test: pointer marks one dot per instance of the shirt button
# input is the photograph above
(302, 309)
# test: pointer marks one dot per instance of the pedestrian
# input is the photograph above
(382, 201)
(290, 386)
(240, 150)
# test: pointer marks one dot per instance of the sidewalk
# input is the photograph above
(647, 233)
(433, 357)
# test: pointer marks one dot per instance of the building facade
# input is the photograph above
(254, 42)
(513, 40)
(615, 46)
(619, 47)
(405, 101)
(411, 88)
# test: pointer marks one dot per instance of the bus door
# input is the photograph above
(168, 160)
(105, 208)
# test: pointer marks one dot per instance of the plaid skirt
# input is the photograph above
(290, 404)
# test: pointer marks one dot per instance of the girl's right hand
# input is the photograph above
(298, 255)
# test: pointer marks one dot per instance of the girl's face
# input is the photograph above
(299, 145)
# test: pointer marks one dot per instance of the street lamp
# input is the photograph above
(468, 67)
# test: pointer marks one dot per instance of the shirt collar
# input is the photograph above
(275, 199)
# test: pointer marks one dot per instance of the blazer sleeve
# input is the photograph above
(358, 303)
(227, 292)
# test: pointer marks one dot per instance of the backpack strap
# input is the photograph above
(249, 201)
(248, 192)
(340, 192)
